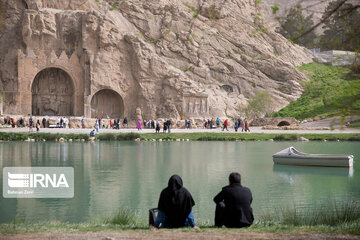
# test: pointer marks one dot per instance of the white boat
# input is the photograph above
(291, 156)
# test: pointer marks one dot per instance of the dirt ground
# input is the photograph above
(169, 235)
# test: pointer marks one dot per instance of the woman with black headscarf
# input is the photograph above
(175, 206)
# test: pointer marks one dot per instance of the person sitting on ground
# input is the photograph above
(175, 206)
(233, 204)
(92, 133)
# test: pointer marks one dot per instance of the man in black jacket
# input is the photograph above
(233, 204)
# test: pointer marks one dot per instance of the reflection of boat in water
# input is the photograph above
(292, 171)
(291, 156)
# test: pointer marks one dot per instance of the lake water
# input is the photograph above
(113, 175)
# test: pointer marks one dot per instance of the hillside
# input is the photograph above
(331, 91)
(178, 59)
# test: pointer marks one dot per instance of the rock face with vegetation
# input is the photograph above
(175, 59)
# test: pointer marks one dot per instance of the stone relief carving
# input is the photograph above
(52, 93)
(196, 105)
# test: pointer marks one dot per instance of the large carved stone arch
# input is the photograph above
(52, 93)
(107, 103)
(31, 64)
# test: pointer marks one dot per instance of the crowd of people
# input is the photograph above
(211, 124)
(22, 123)
(152, 124)
(112, 124)
(117, 123)
(233, 206)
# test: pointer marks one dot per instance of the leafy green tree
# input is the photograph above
(259, 105)
(342, 28)
(295, 24)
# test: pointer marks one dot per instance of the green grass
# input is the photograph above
(331, 214)
(251, 136)
(8, 136)
(126, 218)
(117, 136)
(341, 219)
(208, 136)
(331, 91)
(355, 124)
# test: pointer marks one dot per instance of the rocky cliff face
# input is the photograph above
(175, 59)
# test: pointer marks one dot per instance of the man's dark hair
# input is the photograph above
(235, 177)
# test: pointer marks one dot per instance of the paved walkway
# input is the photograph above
(197, 130)
(334, 122)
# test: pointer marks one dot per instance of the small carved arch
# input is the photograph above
(107, 103)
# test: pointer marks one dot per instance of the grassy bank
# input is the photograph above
(5, 136)
(9, 136)
(251, 136)
(355, 124)
(331, 91)
(341, 219)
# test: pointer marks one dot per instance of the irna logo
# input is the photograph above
(16, 180)
(38, 182)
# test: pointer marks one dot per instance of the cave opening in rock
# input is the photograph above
(52, 93)
(227, 88)
(283, 123)
(107, 103)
